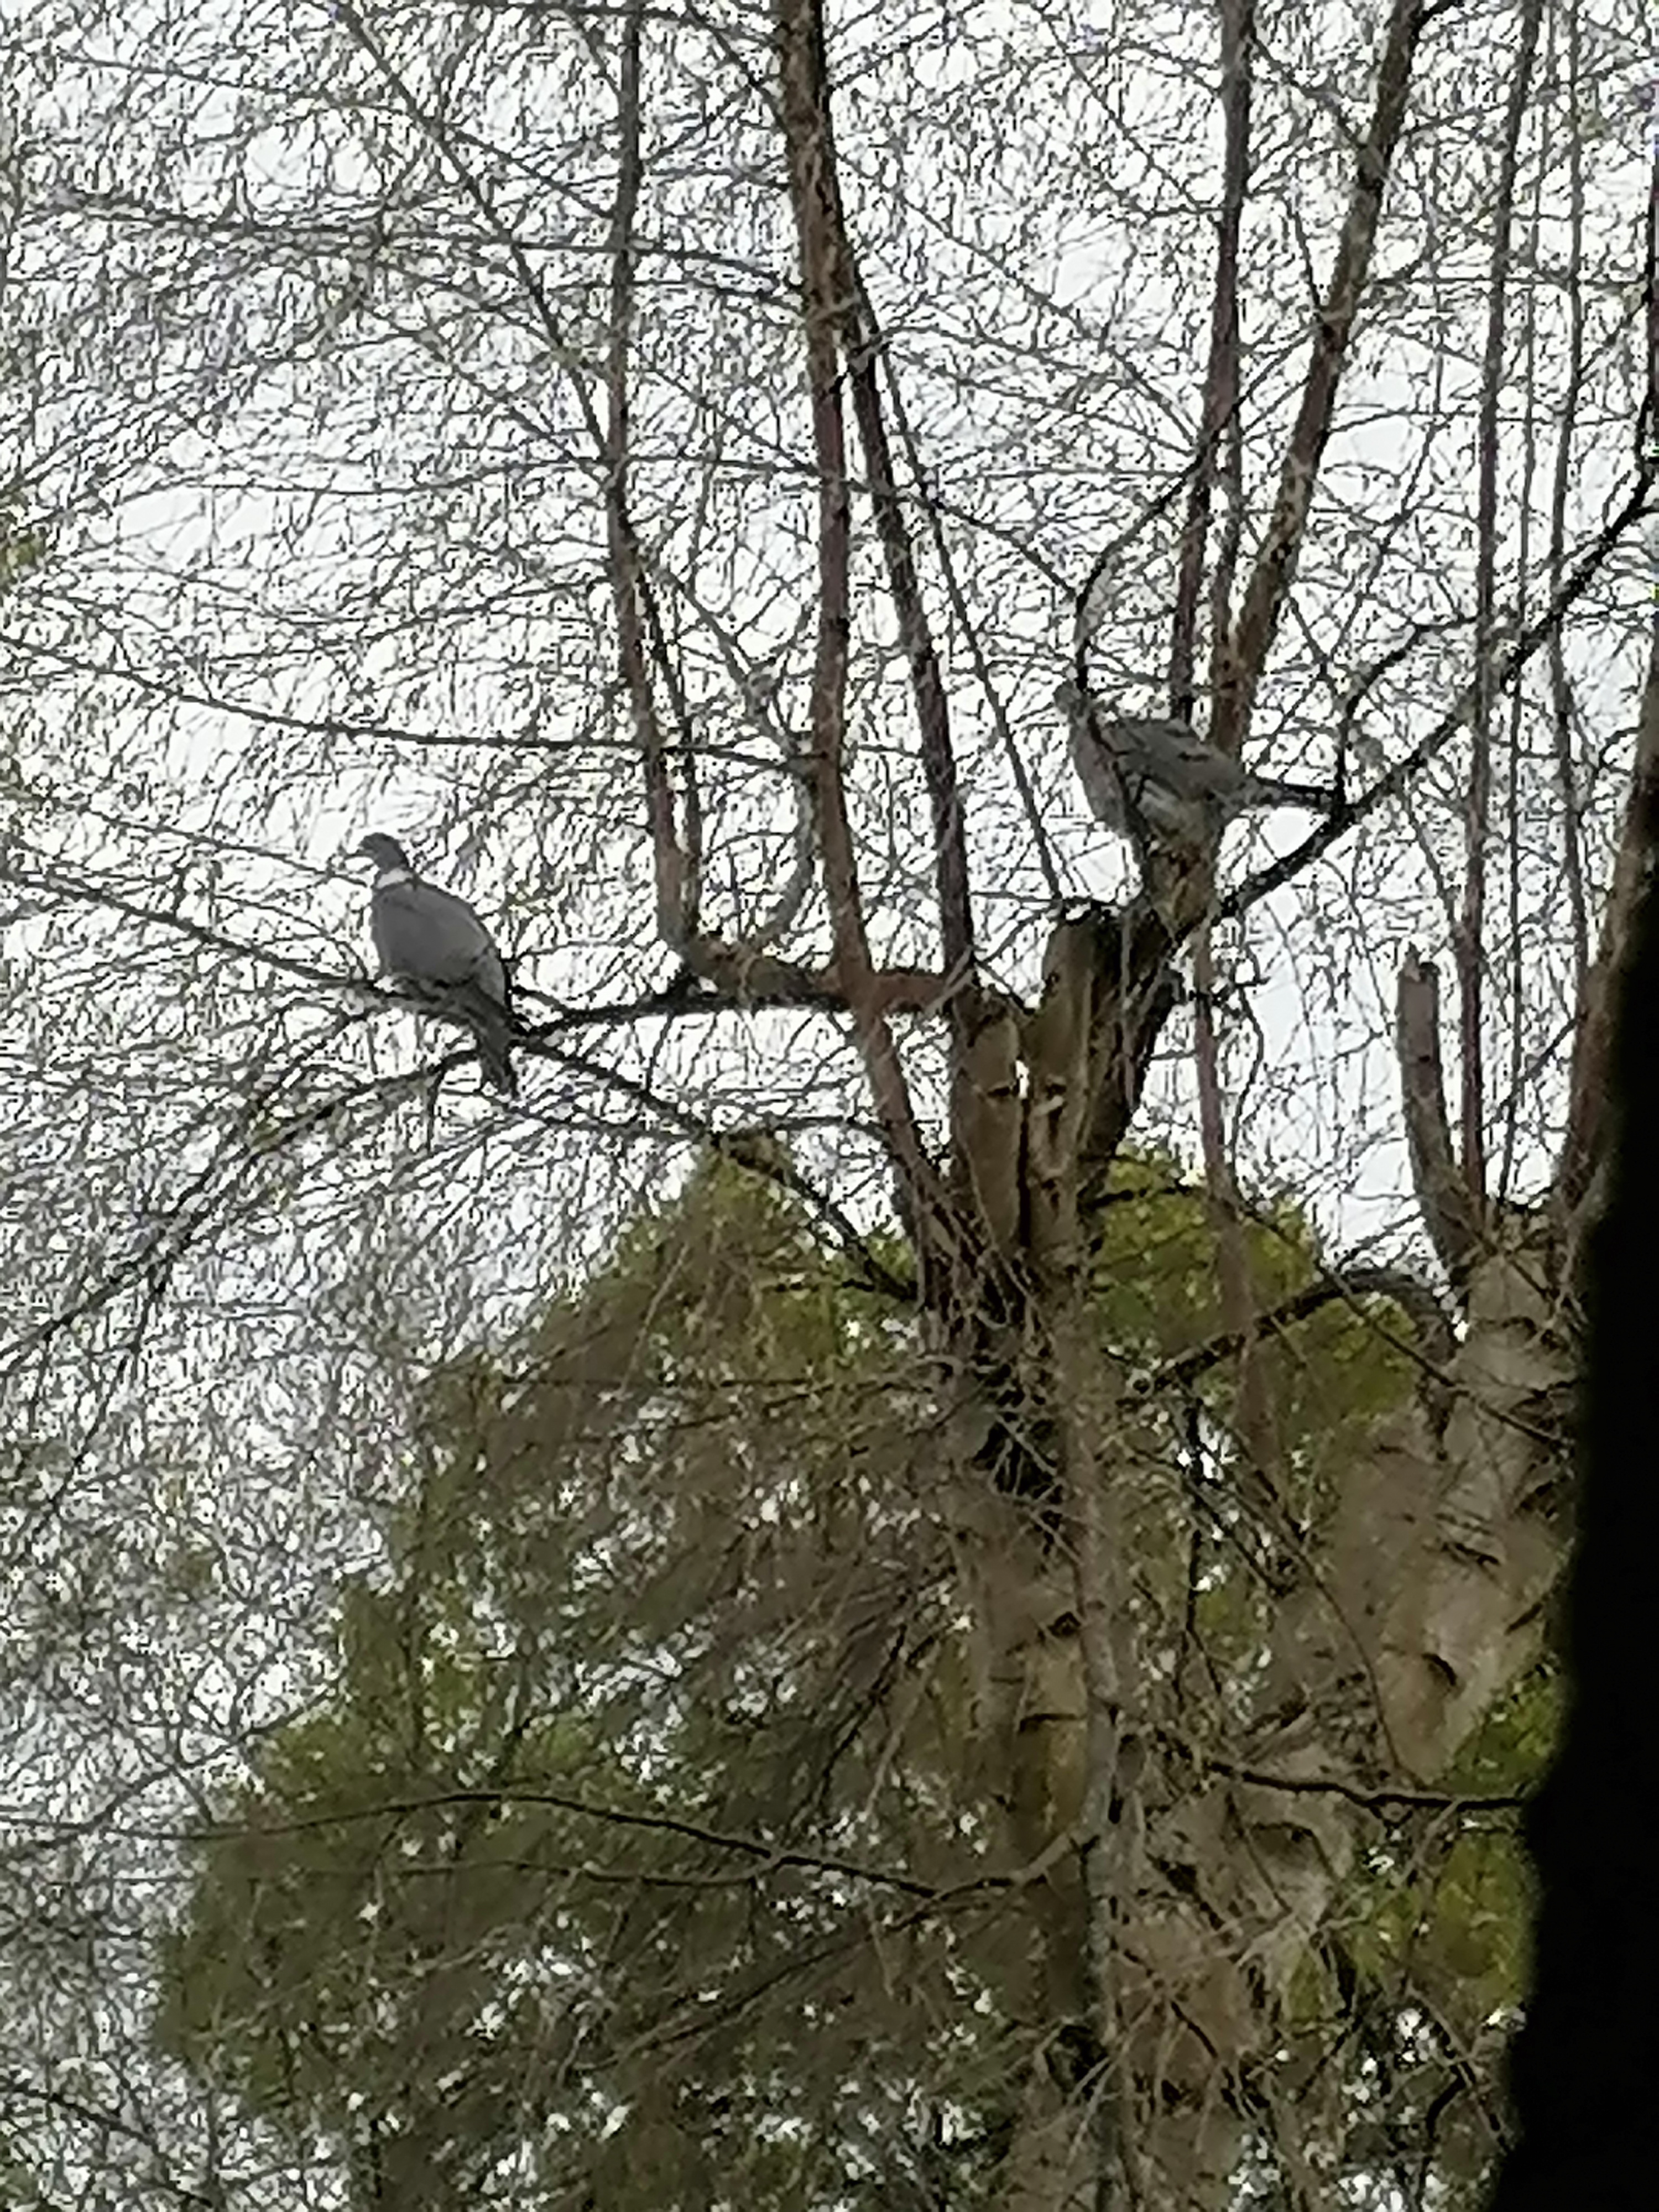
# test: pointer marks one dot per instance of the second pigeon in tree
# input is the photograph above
(1180, 787)
(433, 946)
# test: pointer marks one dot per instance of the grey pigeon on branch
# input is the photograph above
(433, 946)
(1165, 774)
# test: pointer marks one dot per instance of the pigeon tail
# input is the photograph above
(491, 1025)
(495, 1060)
(1272, 790)
(490, 1022)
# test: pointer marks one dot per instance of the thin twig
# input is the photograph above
(1390, 785)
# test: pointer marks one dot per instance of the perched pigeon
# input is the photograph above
(1181, 787)
(433, 946)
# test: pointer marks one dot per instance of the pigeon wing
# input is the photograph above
(1099, 779)
(1173, 756)
(434, 938)
(1127, 764)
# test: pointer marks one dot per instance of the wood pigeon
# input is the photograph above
(1180, 787)
(433, 946)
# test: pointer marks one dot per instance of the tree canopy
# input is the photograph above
(639, 1843)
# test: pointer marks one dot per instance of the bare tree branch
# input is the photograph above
(675, 867)
(1450, 1213)
(1222, 394)
(861, 343)
(1469, 935)
(1275, 566)
(810, 157)
(1435, 1339)
(1572, 842)
(1629, 511)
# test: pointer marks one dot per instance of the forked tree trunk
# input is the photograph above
(1168, 1911)
(1169, 1902)
(1170, 1908)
